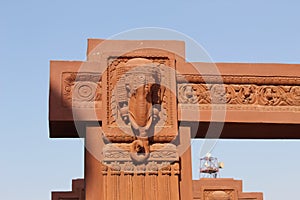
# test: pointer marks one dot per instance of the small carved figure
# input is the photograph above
(218, 94)
(189, 94)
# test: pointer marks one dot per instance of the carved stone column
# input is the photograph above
(154, 179)
(140, 157)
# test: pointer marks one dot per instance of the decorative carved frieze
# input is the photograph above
(239, 94)
(162, 157)
(150, 168)
(121, 152)
(81, 90)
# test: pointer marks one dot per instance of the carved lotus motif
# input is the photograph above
(165, 166)
(82, 89)
(141, 168)
(128, 167)
(152, 166)
(115, 166)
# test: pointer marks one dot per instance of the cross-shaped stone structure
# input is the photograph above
(138, 104)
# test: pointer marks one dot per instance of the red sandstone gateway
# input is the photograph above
(138, 103)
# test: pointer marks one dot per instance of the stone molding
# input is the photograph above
(235, 79)
(163, 158)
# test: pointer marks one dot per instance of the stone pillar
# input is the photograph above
(158, 178)
(140, 155)
(111, 174)
(93, 166)
(186, 184)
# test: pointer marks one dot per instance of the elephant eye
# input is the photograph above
(141, 77)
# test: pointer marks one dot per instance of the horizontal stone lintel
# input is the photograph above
(271, 113)
(285, 117)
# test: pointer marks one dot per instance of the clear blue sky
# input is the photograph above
(34, 32)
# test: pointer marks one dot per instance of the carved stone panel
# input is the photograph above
(125, 155)
(81, 90)
(241, 96)
(218, 195)
(140, 99)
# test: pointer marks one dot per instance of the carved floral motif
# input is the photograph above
(293, 96)
(246, 94)
(162, 157)
(152, 167)
(122, 152)
(263, 95)
(81, 90)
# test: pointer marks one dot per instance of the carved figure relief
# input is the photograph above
(188, 94)
(218, 94)
(193, 93)
(139, 105)
(144, 95)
